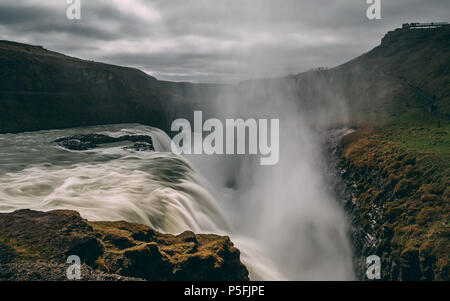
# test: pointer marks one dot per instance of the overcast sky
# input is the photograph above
(212, 40)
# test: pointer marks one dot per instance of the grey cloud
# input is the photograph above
(11, 14)
(208, 40)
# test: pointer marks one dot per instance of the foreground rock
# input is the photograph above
(49, 271)
(109, 249)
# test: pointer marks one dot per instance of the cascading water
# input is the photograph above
(159, 189)
(164, 191)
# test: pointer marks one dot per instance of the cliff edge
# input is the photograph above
(42, 241)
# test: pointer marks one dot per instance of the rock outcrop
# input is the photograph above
(90, 141)
(110, 250)
(50, 271)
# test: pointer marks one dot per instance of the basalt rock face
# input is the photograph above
(110, 250)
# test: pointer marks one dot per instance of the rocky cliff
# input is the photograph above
(42, 89)
(35, 245)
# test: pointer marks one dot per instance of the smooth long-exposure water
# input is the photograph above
(158, 189)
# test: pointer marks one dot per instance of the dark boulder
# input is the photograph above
(90, 141)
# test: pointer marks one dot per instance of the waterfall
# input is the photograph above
(280, 218)
(158, 189)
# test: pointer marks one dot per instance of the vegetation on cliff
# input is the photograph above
(403, 196)
(399, 162)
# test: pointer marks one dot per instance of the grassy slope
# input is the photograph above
(409, 150)
(420, 56)
(411, 160)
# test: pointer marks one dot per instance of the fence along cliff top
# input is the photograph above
(424, 25)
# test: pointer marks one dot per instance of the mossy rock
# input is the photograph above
(121, 248)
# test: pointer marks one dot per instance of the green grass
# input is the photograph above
(408, 149)
(420, 133)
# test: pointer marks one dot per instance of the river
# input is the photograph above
(291, 231)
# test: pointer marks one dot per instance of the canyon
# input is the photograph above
(386, 164)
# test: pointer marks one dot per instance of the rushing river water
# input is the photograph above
(158, 189)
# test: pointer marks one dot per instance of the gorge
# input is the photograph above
(353, 179)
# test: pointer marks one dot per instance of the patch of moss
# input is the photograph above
(117, 247)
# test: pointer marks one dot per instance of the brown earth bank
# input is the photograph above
(35, 245)
(398, 201)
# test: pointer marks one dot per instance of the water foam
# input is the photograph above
(159, 189)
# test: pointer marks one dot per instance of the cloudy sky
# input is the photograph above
(212, 40)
